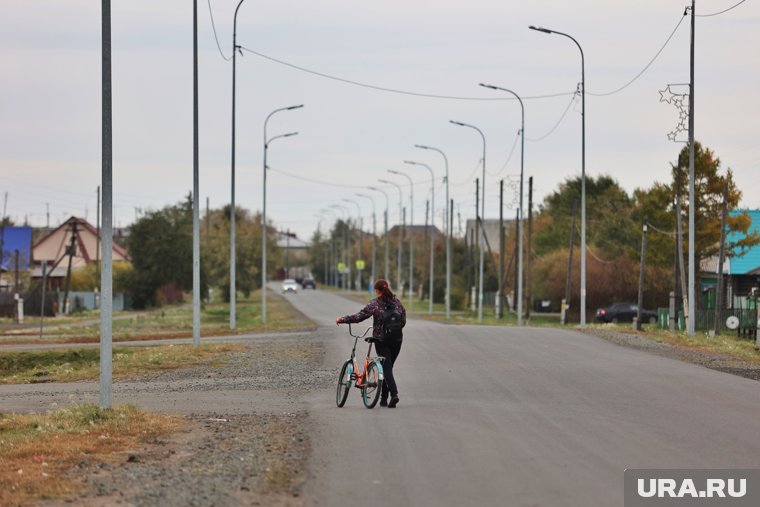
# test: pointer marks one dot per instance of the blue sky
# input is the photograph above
(349, 135)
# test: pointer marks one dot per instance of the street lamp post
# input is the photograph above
(521, 222)
(233, 290)
(446, 228)
(359, 250)
(432, 239)
(264, 210)
(400, 229)
(411, 233)
(347, 280)
(482, 217)
(583, 170)
(385, 218)
(374, 232)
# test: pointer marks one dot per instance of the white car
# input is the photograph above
(289, 285)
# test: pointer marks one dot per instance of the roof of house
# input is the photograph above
(53, 246)
(750, 261)
(16, 238)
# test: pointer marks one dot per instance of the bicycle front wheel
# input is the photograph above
(344, 384)
(373, 383)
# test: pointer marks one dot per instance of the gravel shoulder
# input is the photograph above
(245, 437)
(712, 360)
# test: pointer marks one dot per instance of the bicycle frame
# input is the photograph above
(358, 375)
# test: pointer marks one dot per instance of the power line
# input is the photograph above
(213, 26)
(647, 65)
(551, 131)
(721, 12)
(393, 90)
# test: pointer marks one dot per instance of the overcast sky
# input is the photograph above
(349, 136)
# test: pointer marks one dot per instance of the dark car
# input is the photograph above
(309, 283)
(624, 312)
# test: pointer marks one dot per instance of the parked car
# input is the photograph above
(309, 283)
(624, 312)
(289, 285)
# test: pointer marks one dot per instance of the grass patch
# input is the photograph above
(728, 344)
(84, 364)
(175, 321)
(37, 451)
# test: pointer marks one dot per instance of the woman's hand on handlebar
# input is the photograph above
(339, 320)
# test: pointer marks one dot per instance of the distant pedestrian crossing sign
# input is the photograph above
(360, 265)
(341, 267)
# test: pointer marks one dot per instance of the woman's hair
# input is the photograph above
(383, 287)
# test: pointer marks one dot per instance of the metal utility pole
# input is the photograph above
(500, 293)
(520, 218)
(196, 190)
(264, 211)
(233, 287)
(374, 234)
(719, 294)
(641, 273)
(385, 235)
(447, 228)
(106, 279)
(432, 215)
(482, 213)
(583, 170)
(44, 288)
(400, 231)
(690, 323)
(528, 249)
(411, 234)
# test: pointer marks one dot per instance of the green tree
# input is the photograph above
(160, 245)
(216, 250)
(708, 194)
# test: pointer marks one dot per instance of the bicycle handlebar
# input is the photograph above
(355, 336)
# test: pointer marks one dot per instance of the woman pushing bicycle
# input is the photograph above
(389, 317)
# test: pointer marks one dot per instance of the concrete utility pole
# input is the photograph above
(106, 279)
(401, 229)
(690, 323)
(432, 215)
(528, 249)
(411, 233)
(196, 190)
(385, 235)
(97, 234)
(642, 263)
(569, 283)
(500, 292)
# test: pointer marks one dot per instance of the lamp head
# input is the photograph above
(392, 171)
(290, 134)
(492, 87)
(457, 123)
(295, 107)
(540, 29)
(422, 146)
(410, 162)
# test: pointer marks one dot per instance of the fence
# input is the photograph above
(705, 319)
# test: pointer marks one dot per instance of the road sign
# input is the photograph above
(360, 265)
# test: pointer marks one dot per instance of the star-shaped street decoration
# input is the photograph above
(681, 102)
(663, 97)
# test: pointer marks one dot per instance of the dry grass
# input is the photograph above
(728, 344)
(38, 451)
(84, 364)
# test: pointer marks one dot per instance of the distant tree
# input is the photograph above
(160, 245)
(608, 217)
(216, 251)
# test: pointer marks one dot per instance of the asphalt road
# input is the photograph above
(489, 416)
(494, 416)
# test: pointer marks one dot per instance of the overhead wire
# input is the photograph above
(551, 131)
(645, 67)
(721, 12)
(216, 38)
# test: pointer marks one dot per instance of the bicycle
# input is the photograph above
(369, 380)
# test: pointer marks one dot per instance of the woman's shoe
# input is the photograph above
(394, 402)
(383, 402)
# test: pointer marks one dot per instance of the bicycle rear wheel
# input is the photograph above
(373, 384)
(344, 384)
